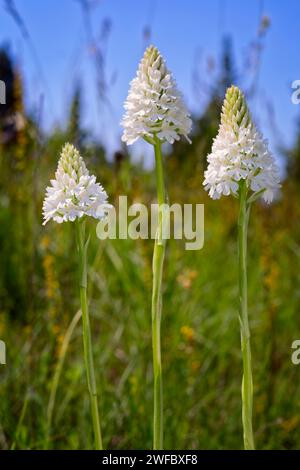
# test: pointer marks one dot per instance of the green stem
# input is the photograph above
(87, 340)
(247, 384)
(158, 260)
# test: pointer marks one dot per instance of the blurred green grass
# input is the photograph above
(200, 337)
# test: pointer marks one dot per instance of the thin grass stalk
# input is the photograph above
(158, 260)
(58, 372)
(247, 383)
(20, 422)
(82, 245)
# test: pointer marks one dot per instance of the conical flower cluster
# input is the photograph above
(154, 106)
(74, 192)
(239, 152)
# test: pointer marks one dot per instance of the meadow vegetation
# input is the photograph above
(44, 402)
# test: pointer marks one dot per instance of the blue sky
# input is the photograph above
(182, 30)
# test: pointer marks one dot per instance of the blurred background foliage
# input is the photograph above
(44, 402)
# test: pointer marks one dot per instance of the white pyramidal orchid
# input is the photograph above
(239, 152)
(154, 105)
(241, 164)
(156, 113)
(74, 192)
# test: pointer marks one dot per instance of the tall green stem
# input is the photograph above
(158, 260)
(82, 244)
(247, 384)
